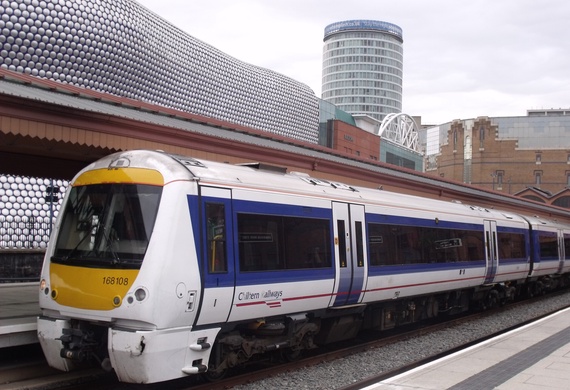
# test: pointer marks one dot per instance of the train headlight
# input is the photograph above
(117, 301)
(140, 294)
(44, 287)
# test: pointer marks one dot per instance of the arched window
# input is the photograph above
(563, 201)
(535, 198)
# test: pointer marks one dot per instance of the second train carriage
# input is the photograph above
(550, 247)
(164, 266)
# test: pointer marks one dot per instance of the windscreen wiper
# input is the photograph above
(66, 257)
(109, 246)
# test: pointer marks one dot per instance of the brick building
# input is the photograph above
(524, 156)
(352, 140)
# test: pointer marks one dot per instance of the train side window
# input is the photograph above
(359, 246)
(548, 243)
(567, 245)
(379, 247)
(217, 259)
(511, 245)
(398, 244)
(341, 242)
(272, 242)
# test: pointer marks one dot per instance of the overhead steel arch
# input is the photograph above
(401, 129)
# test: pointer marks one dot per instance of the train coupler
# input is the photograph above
(77, 344)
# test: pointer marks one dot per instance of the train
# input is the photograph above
(162, 266)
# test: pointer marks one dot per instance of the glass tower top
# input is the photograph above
(362, 68)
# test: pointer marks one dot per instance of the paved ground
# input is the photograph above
(18, 312)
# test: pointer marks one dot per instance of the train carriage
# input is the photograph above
(456, 249)
(550, 246)
(163, 266)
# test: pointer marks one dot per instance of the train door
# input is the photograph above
(561, 251)
(350, 254)
(491, 252)
(217, 258)
(565, 252)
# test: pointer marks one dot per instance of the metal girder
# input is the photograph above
(401, 129)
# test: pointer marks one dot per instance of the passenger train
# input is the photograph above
(162, 266)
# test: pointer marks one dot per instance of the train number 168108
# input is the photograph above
(115, 280)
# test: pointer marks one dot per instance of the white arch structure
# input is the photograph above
(401, 129)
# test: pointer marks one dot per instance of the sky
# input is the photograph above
(462, 59)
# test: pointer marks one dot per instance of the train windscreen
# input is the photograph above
(107, 225)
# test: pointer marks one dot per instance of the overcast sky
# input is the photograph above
(461, 59)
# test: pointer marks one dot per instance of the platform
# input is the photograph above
(536, 356)
(19, 310)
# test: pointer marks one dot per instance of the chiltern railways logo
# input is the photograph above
(270, 297)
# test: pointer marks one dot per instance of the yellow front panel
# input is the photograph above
(90, 288)
(120, 175)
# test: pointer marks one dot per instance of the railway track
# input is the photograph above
(365, 345)
(25, 368)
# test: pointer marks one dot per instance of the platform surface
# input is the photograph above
(19, 310)
(536, 356)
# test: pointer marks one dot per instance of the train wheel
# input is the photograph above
(432, 308)
(290, 355)
(213, 375)
(492, 299)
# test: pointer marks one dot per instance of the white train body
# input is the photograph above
(227, 262)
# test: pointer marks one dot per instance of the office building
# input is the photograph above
(363, 67)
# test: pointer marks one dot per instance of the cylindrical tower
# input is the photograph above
(363, 67)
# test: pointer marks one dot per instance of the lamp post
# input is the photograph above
(51, 196)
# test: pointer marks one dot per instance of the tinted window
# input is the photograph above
(511, 245)
(216, 236)
(397, 244)
(268, 242)
(107, 223)
(548, 243)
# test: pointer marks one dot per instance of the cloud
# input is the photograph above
(461, 59)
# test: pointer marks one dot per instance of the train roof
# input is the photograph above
(262, 177)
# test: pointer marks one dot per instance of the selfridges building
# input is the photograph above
(120, 47)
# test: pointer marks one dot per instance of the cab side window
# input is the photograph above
(216, 236)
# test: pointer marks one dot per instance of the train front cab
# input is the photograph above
(131, 309)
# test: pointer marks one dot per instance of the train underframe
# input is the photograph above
(288, 336)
